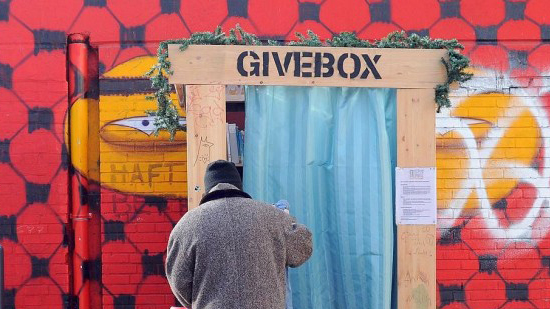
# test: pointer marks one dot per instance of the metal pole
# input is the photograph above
(78, 56)
(1, 277)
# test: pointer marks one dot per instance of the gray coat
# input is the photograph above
(231, 253)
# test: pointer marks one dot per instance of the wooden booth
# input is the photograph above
(202, 72)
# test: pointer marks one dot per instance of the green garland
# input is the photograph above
(166, 116)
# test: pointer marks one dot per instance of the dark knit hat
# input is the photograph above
(221, 172)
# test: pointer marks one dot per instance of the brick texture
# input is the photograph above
(492, 147)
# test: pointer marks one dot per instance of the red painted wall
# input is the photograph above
(493, 250)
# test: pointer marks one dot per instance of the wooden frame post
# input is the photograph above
(206, 141)
(414, 72)
(416, 256)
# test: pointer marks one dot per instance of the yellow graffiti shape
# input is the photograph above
(133, 159)
(488, 135)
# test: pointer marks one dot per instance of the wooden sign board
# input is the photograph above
(306, 66)
(414, 72)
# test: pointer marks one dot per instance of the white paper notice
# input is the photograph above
(415, 192)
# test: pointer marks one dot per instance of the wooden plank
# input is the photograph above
(180, 93)
(416, 281)
(416, 244)
(206, 134)
(307, 66)
(415, 128)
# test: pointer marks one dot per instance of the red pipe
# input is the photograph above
(78, 54)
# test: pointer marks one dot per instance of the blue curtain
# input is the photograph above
(331, 153)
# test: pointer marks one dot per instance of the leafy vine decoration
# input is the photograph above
(166, 115)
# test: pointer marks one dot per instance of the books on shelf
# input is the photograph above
(235, 144)
(240, 144)
(228, 143)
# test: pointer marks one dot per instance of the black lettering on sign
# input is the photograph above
(317, 65)
(266, 64)
(308, 64)
(341, 65)
(328, 65)
(371, 66)
(240, 64)
(296, 64)
(356, 66)
(278, 63)
(254, 64)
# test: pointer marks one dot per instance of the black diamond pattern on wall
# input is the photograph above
(486, 35)
(156, 201)
(487, 263)
(517, 291)
(515, 10)
(70, 301)
(125, 301)
(449, 9)
(169, 6)
(152, 264)
(8, 228)
(501, 204)
(101, 68)
(9, 298)
(133, 36)
(380, 11)
(451, 293)
(68, 237)
(309, 11)
(5, 151)
(98, 3)
(37, 193)
(5, 9)
(94, 200)
(451, 236)
(6, 73)
(91, 269)
(237, 8)
(48, 40)
(114, 230)
(64, 157)
(83, 193)
(518, 59)
(40, 118)
(545, 33)
(546, 262)
(39, 267)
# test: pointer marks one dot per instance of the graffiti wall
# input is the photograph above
(142, 179)
(493, 169)
(493, 200)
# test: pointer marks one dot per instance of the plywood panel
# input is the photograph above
(307, 66)
(416, 244)
(206, 134)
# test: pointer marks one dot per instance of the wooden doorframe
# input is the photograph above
(204, 70)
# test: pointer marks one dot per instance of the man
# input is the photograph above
(231, 251)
